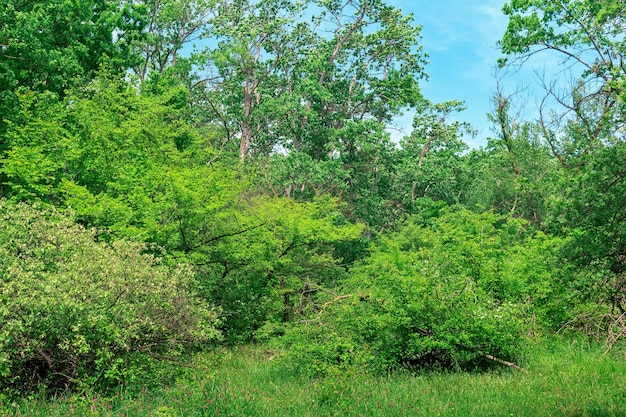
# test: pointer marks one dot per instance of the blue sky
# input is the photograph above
(460, 38)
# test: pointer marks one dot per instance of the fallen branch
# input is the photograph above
(502, 361)
(610, 344)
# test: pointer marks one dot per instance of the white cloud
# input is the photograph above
(461, 38)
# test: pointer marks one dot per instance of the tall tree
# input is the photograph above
(46, 44)
(587, 134)
(516, 172)
(244, 81)
(295, 83)
(588, 35)
(432, 165)
(367, 70)
(171, 25)
(51, 45)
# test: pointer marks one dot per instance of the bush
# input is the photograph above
(319, 349)
(453, 294)
(74, 311)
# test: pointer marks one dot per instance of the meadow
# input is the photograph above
(561, 378)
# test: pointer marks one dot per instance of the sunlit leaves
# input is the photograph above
(277, 257)
(440, 293)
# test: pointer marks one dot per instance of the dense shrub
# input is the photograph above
(456, 293)
(77, 311)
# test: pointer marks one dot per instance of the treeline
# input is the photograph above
(178, 174)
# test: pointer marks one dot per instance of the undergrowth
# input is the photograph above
(561, 379)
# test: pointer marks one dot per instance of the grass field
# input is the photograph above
(564, 379)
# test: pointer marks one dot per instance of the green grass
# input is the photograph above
(562, 380)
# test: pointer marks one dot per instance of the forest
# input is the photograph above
(198, 186)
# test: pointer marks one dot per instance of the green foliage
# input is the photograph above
(275, 262)
(80, 313)
(563, 24)
(590, 211)
(47, 45)
(444, 295)
(319, 188)
(171, 24)
(37, 145)
(284, 82)
(132, 165)
(297, 175)
(586, 135)
(516, 174)
(314, 348)
(380, 181)
(431, 164)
